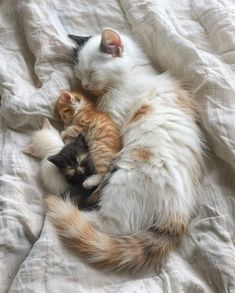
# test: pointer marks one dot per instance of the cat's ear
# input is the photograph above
(46, 124)
(30, 150)
(111, 43)
(80, 41)
(54, 160)
(67, 97)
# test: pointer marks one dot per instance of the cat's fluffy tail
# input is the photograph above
(133, 253)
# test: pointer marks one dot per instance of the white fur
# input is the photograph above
(140, 195)
(47, 142)
(92, 181)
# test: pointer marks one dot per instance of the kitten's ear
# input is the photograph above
(80, 41)
(30, 150)
(111, 42)
(67, 97)
(54, 160)
(46, 124)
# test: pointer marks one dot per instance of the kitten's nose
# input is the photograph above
(80, 170)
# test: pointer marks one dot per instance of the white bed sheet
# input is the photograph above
(195, 39)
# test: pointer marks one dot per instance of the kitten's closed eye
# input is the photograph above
(78, 99)
(81, 158)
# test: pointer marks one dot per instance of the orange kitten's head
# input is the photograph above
(69, 103)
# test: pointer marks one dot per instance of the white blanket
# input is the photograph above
(195, 39)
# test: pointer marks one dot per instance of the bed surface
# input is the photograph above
(195, 39)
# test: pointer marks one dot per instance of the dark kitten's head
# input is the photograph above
(73, 161)
(103, 59)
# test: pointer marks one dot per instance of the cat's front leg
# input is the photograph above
(70, 133)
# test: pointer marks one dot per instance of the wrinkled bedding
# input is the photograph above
(194, 39)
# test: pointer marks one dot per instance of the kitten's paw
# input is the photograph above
(89, 184)
(92, 181)
(65, 137)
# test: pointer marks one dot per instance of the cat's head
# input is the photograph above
(69, 103)
(73, 161)
(103, 60)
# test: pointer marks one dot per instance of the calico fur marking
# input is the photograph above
(188, 105)
(144, 110)
(135, 253)
(142, 154)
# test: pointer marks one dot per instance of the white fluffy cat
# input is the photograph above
(47, 142)
(145, 208)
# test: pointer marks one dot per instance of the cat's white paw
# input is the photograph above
(92, 181)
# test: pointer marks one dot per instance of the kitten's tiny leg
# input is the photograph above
(70, 132)
(67, 139)
(92, 181)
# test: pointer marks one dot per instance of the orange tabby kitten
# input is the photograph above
(101, 133)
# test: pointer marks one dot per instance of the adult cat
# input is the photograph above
(145, 208)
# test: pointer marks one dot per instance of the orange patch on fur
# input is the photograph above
(187, 104)
(85, 242)
(143, 154)
(131, 253)
(143, 111)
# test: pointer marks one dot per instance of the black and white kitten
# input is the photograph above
(73, 161)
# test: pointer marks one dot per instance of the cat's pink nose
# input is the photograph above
(85, 85)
